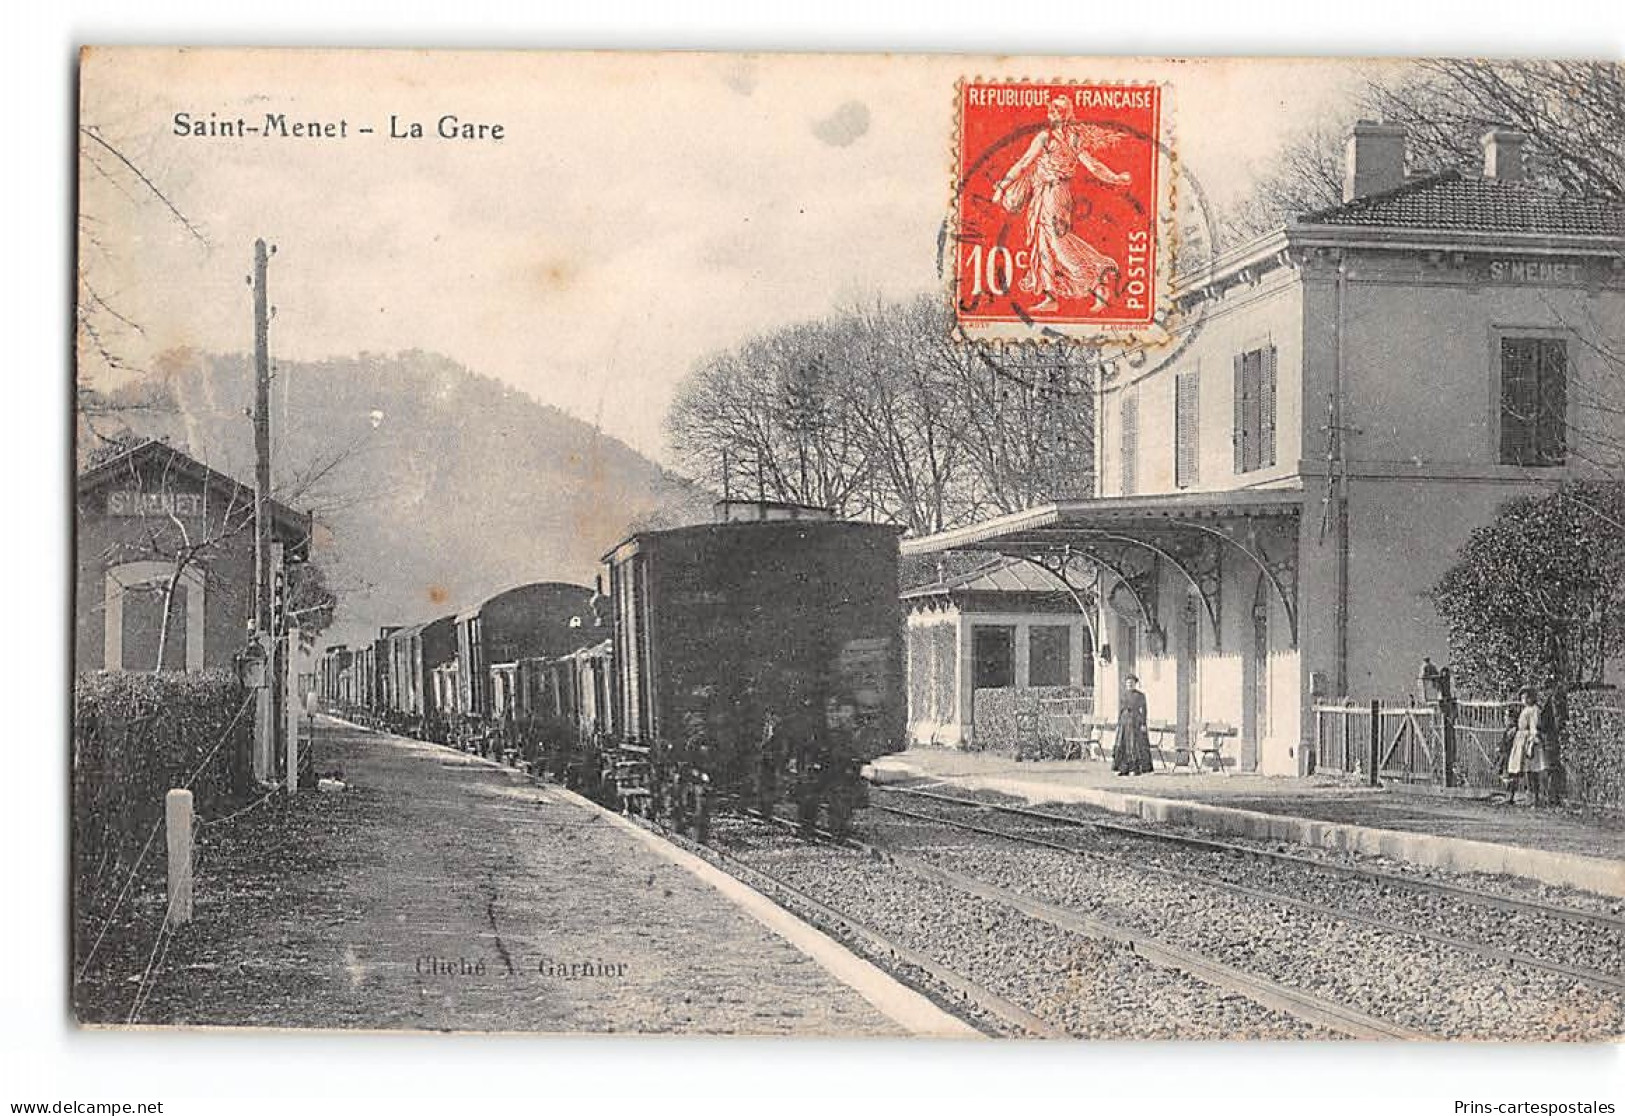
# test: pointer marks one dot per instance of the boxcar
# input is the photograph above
(760, 659)
(414, 654)
(544, 619)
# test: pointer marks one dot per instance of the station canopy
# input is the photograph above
(1133, 537)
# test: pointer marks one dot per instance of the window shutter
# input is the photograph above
(1251, 427)
(1266, 407)
(1517, 402)
(1130, 441)
(1551, 431)
(1239, 437)
(1186, 430)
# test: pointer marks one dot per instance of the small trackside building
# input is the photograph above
(1006, 625)
(1341, 403)
(152, 520)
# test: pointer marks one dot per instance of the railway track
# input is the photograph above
(1320, 1015)
(1428, 983)
(939, 927)
(1508, 903)
(1611, 981)
(987, 1003)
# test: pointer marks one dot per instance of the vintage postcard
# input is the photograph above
(846, 545)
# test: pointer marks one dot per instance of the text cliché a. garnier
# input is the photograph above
(1058, 208)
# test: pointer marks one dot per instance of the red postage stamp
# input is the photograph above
(1059, 209)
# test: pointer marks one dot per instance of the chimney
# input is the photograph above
(1503, 155)
(1375, 159)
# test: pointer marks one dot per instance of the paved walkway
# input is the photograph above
(1436, 828)
(457, 895)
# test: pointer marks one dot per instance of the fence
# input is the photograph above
(1479, 727)
(1412, 740)
(1409, 744)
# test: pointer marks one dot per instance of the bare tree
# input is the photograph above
(1305, 175)
(1572, 111)
(1031, 427)
(114, 189)
(771, 417)
(880, 412)
(905, 396)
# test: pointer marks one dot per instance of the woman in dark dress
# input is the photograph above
(1132, 755)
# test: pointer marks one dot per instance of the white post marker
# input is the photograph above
(290, 709)
(178, 822)
(293, 755)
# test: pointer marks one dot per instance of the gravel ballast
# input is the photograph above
(1087, 987)
(1409, 980)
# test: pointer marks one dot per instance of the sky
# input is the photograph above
(639, 211)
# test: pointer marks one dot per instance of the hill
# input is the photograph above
(432, 486)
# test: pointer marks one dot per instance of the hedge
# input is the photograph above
(1011, 720)
(135, 737)
(1593, 751)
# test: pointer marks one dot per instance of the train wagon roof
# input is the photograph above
(418, 629)
(528, 587)
(632, 543)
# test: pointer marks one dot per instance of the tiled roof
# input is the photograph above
(1002, 576)
(1457, 202)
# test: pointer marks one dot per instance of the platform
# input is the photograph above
(439, 891)
(1546, 844)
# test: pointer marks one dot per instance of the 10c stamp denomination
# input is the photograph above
(1059, 209)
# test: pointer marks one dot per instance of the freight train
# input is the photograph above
(747, 662)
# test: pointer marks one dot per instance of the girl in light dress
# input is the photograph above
(1527, 759)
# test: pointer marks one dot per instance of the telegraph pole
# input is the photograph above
(262, 445)
(264, 638)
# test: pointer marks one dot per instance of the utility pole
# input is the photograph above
(264, 637)
(262, 444)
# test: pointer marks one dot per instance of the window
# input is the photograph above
(1534, 401)
(1130, 420)
(1049, 655)
(1254, 436)
(993, 658)
(1186, 410)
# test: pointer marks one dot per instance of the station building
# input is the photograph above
(141, 516)
(1341, 403)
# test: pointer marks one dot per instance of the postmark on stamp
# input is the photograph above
(1060, 212)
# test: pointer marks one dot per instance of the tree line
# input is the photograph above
(879, 412)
